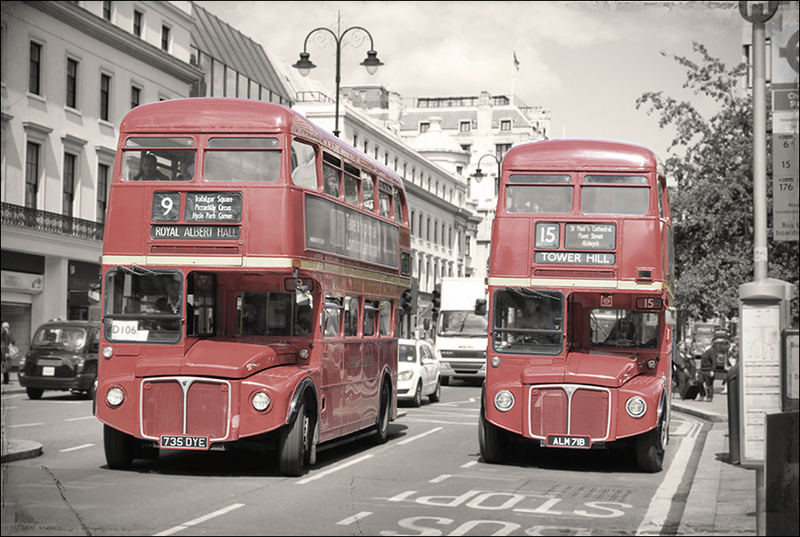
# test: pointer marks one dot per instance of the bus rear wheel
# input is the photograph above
(119, 448)
(490, 439)
(294, 449)
(650, 450)
(382, 427)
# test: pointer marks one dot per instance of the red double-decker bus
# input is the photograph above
(252, 272)
(580, 301)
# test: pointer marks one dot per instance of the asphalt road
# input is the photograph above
(428, 479)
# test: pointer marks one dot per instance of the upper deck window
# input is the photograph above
(304, 164)
(385, 199)
(352, 184)
(615, 200)
(615, 180)
(398, 206)
(158, 159)
(368, 191)
(242, 159)
(539, 199)
(538, 178)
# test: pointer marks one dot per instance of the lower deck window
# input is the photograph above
(623, 329)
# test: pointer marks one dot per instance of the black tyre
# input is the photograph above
(34, 393)
(650, 450)
(382, 427)
(437, 393)
(445, 381)
(294, 446)
(119, 448)
(417, 401)
(490, 438)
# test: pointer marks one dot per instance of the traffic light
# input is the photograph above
(405, 301)
(436, 300)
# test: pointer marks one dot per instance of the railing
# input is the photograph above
(16, 215)
(313, 97)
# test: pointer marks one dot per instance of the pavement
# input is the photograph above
(721, 501)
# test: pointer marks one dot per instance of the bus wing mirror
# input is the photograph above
(671, 316)
(480, 306)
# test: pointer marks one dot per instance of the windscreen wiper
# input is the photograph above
(527, 291)
(136, 270)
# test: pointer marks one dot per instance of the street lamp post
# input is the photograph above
(304, 64)
(480, 175)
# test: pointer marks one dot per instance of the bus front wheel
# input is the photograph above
(490, 438)
(650, 450)
(119, 448)
(294, 450)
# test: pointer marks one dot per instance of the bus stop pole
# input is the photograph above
(758, 13)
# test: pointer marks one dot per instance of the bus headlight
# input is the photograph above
(302, 354)
(504, 400)
(495, 361)
(636, 406)
(115, 396)
(108, 352)
(260, 401)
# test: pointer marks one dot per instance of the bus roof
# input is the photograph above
(578, 155)
(238, 116)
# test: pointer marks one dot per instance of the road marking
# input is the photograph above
(454, 403)
(656, 515)
(81, 418)
(407, 440)
(333, 469)
(402, 496)
(75, 448)
(468, 464)
(25, 425)
(355, 518)
(200, 520)
(440, 478)
(422, 420)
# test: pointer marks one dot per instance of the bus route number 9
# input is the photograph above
(166, 206)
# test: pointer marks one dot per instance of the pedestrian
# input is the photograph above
(708, 363)
(9, 349)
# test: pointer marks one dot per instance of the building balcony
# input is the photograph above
(47, 222)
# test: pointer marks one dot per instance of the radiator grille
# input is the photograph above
(185, 405)
(569, 409)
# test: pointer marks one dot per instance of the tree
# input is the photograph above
(712, 207)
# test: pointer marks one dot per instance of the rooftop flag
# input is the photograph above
(516, 61)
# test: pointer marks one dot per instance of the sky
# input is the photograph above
(587, 62)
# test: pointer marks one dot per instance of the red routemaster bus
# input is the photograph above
(580, 301)
(252, 268)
